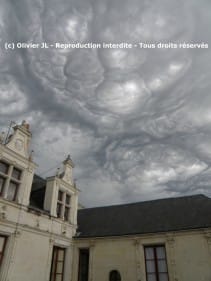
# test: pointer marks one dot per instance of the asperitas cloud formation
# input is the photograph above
(136, 121)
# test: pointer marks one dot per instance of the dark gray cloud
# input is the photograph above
(136, 121)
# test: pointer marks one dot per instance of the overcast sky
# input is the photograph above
(137, 122)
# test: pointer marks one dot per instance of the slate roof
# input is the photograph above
(172, 214)
(38, 193)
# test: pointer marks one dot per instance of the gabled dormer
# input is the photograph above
(61, 196)
(19, 141)
(16, 165)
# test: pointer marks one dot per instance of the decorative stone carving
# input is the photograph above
(67, 173)
(19, 145)
(51, 241)
(17, 233)
(3, 214)
(20, 139)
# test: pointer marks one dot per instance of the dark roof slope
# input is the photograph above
(38, 192)
(172, 214)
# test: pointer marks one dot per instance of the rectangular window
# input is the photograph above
(67, 207)
(2, 184)
(3, 240)
(63, 205)
(16, 174)
(66, 213)
(12, 191)
(83, 267)
(4, 167)
(59, 210)
(156, 265)
(9, 181)
(67, 199)
(60, 196)
(57, 265)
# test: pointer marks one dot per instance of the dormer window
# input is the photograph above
(2, 185)
(16, 174)
(10, 179)
(4, 167)
(63, 205)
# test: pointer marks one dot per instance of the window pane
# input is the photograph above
(67, 199)
(12, 190)
(66, 213)
(150, 266)
(58, 278)
(2, 247)
(53, 266)
(163, 277)
(160, 251)
(2, 183)
(2, 241)
(162, 266)
(59, 267)
(83, 269)
(60, 195)
(156, 265)
(57, 264)
(59, 210)
(149, 251)
(61, 255)
(151, 277)
(4, 167)
(16, 174)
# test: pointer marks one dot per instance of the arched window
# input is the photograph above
(114, 275)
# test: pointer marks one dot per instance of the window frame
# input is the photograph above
(55, 252)
(80, 273)
(7, 177)
(3, 185)
(2, 253)
(155, 260)
(63, 205)
(14, 198)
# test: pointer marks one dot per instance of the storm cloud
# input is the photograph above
(137, 122)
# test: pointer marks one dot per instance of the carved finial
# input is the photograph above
(57, 171)
(31, 155)
(68, 157)
(68, 160)
(25, 125)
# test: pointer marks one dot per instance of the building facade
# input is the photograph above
(160, 240)
(44, 236)
(35, 243)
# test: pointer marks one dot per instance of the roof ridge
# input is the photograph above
(38, 176)
(148, 201)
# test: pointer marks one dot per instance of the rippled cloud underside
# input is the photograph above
(137, 122)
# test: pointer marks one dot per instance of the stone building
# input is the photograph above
(44, 236)
(36, 228)
(159, 240)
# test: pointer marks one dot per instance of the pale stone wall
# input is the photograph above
(193, 258)
(29, 258)
(188, 256)
(31, 234)
(31, 237)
